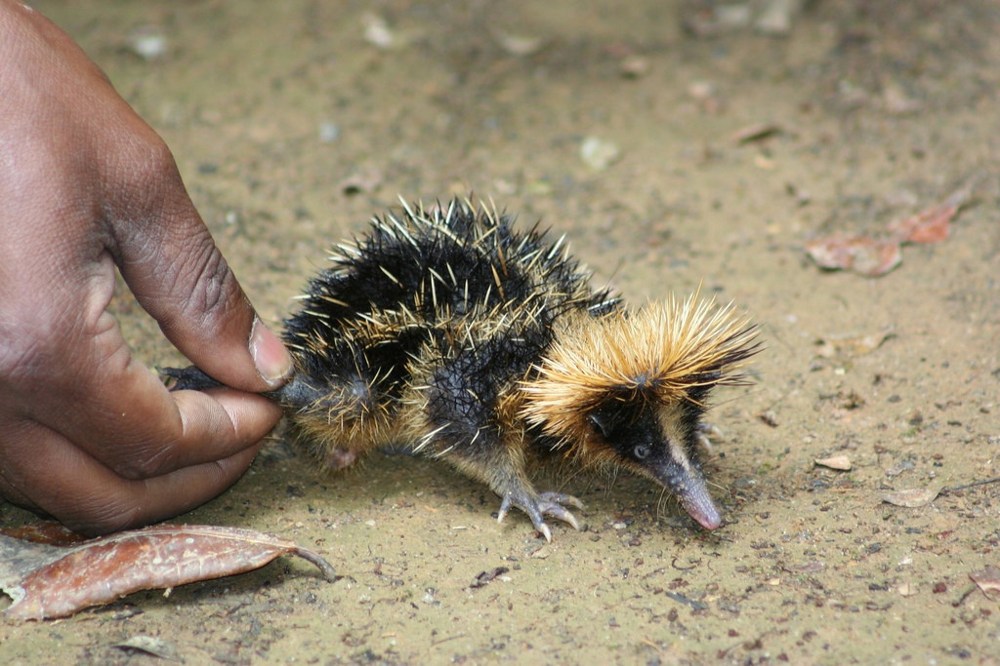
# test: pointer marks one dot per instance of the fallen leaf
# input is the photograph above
(988, 579)
(878, 254)
(860, 254)
(932, 225)
(51, 533)
(46, 581)
(842, 463)
(911, 498)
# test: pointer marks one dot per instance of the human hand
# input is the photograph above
(87, 433)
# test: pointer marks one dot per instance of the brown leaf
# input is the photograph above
(932, 225)
(911, 497)
(47, 581)
(878, 254)
(988, 579)
(861, 254)
(51, 533)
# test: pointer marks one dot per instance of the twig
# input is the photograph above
(969, 485)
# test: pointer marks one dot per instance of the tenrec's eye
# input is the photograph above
(598, 424)
(641, 452)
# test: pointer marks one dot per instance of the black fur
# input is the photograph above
(441, 266)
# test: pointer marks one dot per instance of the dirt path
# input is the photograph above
(294, 122)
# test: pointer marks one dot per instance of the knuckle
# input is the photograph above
(206, 289)
(215, 285)
(142, 180)
(147, 463)
(149, 163)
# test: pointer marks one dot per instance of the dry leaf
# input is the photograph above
(911, 498)
(930, 226)
(988, 579)
(51, 533)
(48, 581)
(842, 463)
(861, 254)
(874, 255)
(933, 224)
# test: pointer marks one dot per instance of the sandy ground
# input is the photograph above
(294, 122)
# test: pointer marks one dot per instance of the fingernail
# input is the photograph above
(269, 355)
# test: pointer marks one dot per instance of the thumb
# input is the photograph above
(172, 265)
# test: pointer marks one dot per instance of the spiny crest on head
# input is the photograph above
(666, 352)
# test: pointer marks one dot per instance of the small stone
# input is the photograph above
(599, 154)
(148, 44)
(842, 463)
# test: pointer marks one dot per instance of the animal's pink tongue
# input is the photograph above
(698, 503)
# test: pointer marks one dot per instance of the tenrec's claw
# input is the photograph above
(703, 435)
(560, 498)
(546, 532)
(545, 504)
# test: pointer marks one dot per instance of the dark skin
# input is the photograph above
(88, 434)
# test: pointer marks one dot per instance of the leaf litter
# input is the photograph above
(47, 581)
(911, 498)
(987, 579)
(876, 255)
